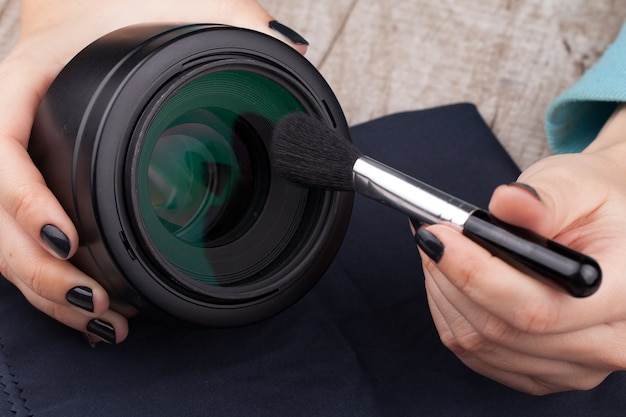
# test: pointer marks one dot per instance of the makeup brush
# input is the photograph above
(305, 150)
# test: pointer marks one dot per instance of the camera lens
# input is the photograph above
(199, 183)
(203, 170)
(160, 137)
(201, 176)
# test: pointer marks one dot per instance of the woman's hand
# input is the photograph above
(514, 329)
(36, 236)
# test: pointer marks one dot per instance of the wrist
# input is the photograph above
(610, 144)
(612, 136)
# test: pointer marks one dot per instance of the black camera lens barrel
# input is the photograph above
(154, 139)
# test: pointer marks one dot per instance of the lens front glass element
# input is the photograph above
(208, 207)
(203, 178)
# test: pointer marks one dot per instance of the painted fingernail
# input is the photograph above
(81, 297)
(287, 32)
(429, 244)
(104, 330)
(56, 240)
(527, 188)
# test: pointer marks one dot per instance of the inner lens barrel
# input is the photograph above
(203, 175)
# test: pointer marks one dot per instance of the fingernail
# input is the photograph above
(104, 330)
(527, 188)
(81, 297)
(429, 244)
(287, 32)
(56, 240)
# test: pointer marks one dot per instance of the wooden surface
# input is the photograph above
(509, 57)
(9, 14)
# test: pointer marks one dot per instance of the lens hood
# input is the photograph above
(155, 140)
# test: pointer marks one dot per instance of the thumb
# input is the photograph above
(520, 204)
(556, 194)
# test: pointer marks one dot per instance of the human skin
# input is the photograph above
(515, 329)
(51, 33)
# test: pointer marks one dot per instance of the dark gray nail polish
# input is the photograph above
(104, 330)
(429, 244)
(527, 188)
(81, 297)
(56, 240)
(289, 33)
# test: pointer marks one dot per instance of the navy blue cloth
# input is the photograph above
(361, 343)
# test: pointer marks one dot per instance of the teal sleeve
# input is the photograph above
(574, 119)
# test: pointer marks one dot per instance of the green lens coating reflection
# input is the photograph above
(193, 174)
(203, 172)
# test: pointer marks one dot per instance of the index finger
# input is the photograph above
(25, 195)
(525, 303)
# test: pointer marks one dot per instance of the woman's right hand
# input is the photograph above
(515, 329)
(36, 236)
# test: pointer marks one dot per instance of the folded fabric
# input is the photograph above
(574, 119)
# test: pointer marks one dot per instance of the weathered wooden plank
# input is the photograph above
(9, 24)
(511, 58)
(320, 22)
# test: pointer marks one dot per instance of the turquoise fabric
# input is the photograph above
(574, 119)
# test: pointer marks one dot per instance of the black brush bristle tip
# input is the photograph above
(307, 151)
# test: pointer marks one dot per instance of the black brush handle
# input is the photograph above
(537, 256)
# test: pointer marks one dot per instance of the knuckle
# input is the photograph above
(56, 311)
(449, 340)
(472, 271)
(474, 345)
(35, 279)
(495, 329)
(467, 342)
(25, 201)
(536, 316)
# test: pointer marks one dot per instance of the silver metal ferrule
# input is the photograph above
(408, 195)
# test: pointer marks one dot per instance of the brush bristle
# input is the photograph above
(305, 150)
